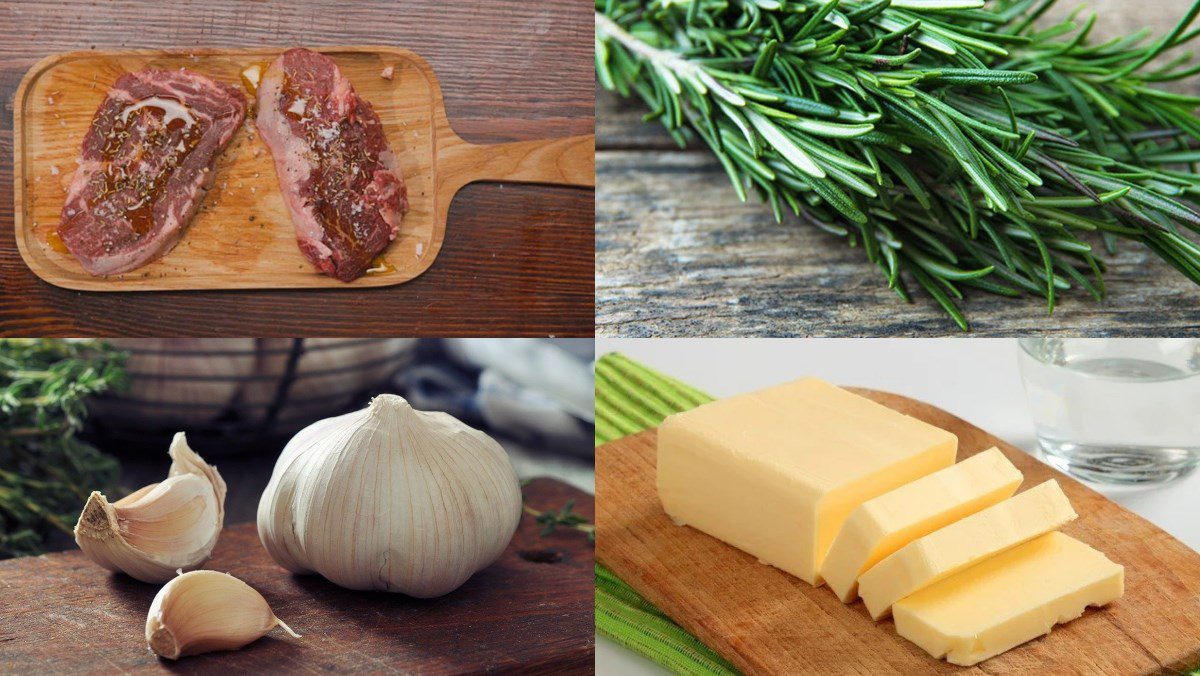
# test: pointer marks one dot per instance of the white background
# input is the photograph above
(975, 379)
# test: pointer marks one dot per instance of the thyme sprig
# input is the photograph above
(46, 473)
(565, 516)
(958, 145)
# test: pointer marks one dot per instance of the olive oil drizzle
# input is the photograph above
(121, 178)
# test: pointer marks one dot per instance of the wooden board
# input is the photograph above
(529, 612)
(518, 259)
(766, 621)
(678, 255)
(242, 237)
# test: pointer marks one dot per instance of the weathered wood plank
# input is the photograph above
(619, 126)
(677, 254)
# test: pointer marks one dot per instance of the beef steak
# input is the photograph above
(339, 178)
(147, 162)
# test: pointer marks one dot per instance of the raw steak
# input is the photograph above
(338, 176)
(147, 162)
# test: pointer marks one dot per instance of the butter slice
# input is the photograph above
(962, 544)
(882, 525)
(776, 472)
(1008, 599)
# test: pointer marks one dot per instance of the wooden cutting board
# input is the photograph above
(242, 238)
(766, 621)
(530, 612)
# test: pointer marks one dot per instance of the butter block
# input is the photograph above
(882, 525)
(1011, 598)
(962, 544)
(776, 472)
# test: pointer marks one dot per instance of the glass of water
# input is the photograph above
(1123, 411)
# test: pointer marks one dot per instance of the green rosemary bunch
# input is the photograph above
(46, 473)
(958, 144)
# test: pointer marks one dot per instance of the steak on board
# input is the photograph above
(339, 178)
(146, 164)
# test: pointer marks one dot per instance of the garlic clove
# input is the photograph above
(165, 528)
(160, 528)
(204, 611)
(186, 461)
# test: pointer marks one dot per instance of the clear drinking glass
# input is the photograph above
(1123, 411)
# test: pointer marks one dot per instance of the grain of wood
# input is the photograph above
(766, 621)
(517, 260)
(678, 255)
(711, 265)
(64, 614)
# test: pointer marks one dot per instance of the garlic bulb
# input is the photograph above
(203, 611)
(390, 498)
(160, 528)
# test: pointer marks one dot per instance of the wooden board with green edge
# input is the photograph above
(530, 612)
(764, 621)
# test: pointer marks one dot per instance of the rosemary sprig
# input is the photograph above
(46, 473)
(958, 145)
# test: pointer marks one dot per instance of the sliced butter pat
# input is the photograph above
(882, 525)
(962, 544)
(1009, 599)
(776, 472)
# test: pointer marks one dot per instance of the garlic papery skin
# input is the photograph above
(203, 611)
(390, 498)
(161, 528)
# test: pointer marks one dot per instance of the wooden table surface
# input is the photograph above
(678, 254)
(518, 259)
(530, 612)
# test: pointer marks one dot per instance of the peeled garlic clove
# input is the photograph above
(161, 528)
(203, 611)
(390, 498)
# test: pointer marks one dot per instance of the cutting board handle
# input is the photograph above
(560, 161)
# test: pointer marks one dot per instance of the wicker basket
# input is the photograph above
(238, 395)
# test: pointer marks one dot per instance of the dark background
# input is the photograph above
(517, 259)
